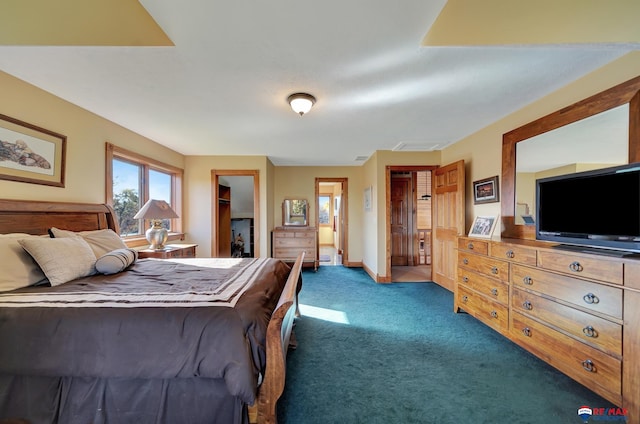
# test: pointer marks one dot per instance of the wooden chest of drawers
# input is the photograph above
(569, 309)
(289, 242)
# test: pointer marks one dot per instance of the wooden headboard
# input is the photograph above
(34, 217)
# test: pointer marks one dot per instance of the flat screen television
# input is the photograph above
(598, 208)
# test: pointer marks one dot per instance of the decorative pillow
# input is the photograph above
(116, 261)
(101, 241)
(61, 259)
(18, 269)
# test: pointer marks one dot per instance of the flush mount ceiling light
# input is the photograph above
(301, 102)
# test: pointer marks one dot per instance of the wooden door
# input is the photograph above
(449, 203)
(401, 221)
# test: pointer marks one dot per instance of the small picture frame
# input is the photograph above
(368, 199)
(483, 226)
(486, 190)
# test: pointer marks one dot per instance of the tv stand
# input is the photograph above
(597, 251)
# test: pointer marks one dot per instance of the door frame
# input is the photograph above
(215, 177)
(388, 170)
(344, 214)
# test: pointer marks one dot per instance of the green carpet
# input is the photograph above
(405, 357)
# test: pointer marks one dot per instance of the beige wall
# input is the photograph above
(198, 197)
(299, 182)
(482, 151)
(86, 136)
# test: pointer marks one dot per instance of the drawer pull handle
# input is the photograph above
(510, 254)
(494, 314)
(589, 331)
(465, 299)
(527, 280)
(494, 291)
(526, 331)
(588, 365)
(494, 270)
(527, 305)
(465, 279)
(470, 246)
(465, 261)
(591, 298)
(575, 266)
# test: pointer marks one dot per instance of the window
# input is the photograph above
(133, 179)
(324, 209)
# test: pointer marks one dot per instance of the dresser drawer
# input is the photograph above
(293, 242)
(478, 246)
(591, 296)
(583, 266)
(484, 265)
(520, 254)
(590, 329)
(486, 310)
(494, 289)
(596, 370)
(292, 253)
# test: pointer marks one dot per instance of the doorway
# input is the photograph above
(409, 233)
(235, 206)
(331, 221)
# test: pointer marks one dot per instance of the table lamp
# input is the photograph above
(156, 211)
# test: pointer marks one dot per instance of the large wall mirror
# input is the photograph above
(601, 131)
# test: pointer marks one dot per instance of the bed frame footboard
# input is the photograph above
(279, 337)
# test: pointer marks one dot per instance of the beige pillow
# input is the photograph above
(61, 259)
(116, 261)
(17, 267)
(100, 241)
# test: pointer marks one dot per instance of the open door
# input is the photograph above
(227, 239)
(449, 221)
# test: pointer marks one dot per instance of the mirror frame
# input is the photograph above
(627, 92)
(287, 222)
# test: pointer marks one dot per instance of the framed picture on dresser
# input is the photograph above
(483, 226)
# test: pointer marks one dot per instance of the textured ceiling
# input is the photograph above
(221, 88)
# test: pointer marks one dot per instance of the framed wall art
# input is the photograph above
(483, 226)
(31, 154)
(368, 199)
(486, 191)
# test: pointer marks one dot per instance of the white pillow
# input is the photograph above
(17, 267)
(101, 241)
(61, 259)
(116, 261)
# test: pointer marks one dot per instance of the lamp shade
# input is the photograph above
(156, 209)
(301, 102)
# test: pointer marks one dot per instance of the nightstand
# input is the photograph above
(170, 251)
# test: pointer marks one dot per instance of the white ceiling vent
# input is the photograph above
(416, 147)
(361, 158)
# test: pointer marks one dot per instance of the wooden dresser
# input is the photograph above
(288, 242)
(579, 312)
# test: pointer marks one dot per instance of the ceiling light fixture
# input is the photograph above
(301, 102)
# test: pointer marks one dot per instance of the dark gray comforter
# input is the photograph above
(151, 322)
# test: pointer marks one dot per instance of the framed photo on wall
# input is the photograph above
(368, 198)
(486, 191)
(31, 154)
(483, 226)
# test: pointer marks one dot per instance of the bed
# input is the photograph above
(158, 341)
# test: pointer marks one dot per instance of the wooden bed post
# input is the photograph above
(279, 333)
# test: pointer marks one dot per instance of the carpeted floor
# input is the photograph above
(396, 353)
